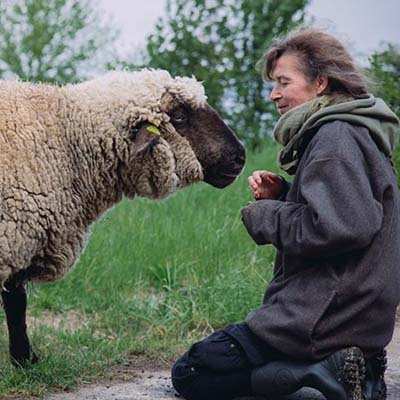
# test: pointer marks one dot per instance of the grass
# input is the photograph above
(153, 278)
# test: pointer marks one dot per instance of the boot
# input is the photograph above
(338, 377)
(375, 386)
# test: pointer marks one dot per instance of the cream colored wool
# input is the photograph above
(66, 156)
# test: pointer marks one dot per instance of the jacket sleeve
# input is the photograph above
(339, 214)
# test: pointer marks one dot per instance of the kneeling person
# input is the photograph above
(329, 311)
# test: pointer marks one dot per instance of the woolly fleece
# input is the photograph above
(67, 155)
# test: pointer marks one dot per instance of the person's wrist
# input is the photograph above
(283, 183)
(284, 188)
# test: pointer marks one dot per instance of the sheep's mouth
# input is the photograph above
(226, 169)
(221, 182)
(221, 179)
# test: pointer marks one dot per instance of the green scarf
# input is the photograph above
(296, 127)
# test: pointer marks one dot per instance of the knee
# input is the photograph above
(183, 376)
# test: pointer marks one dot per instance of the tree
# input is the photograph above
(220, 43)
(51, 40)
(385, 72)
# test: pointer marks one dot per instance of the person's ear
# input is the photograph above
(322, 84)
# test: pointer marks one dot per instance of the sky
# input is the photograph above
(362, 24)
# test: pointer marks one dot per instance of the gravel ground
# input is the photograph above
(149, 385)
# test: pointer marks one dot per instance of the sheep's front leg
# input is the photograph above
(14, 302)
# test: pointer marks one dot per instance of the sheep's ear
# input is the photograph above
(144, 134)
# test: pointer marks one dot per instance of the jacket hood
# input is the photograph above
(300, 123)
(370, 112)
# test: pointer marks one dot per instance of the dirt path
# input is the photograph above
(393, 373)
(149, 385)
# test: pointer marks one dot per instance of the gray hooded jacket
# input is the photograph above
(337, 233)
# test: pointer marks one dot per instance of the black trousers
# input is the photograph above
(219, 367)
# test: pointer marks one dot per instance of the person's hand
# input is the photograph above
(265, 185)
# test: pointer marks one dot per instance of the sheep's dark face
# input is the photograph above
(215, 145)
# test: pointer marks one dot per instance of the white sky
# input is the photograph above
(363, 24)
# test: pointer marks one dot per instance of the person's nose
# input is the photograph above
(275, 94)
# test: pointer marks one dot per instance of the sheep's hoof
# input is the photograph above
(24, 361)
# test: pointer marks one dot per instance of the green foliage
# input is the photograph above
(51, 40)
(385, 71)
(220, 43)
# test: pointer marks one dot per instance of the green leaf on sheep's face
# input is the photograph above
(153, 130)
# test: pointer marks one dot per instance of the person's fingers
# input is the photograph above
(262, 180)
(269, 174)
(272, 178)
(268, 178)
(275, 178)
(257, 177)
(252, 183)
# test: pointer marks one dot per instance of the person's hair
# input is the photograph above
(319, 54)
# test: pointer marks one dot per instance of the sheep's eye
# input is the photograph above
(135, 130)
(179, 116)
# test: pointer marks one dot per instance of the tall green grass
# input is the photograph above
(153, 278)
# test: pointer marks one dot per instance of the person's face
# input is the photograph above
(291, 86)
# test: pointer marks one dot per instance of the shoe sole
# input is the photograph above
(353, 373)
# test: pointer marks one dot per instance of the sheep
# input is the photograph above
(70, 153)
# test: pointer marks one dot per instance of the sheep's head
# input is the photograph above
(214, 144)
(175, 137)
